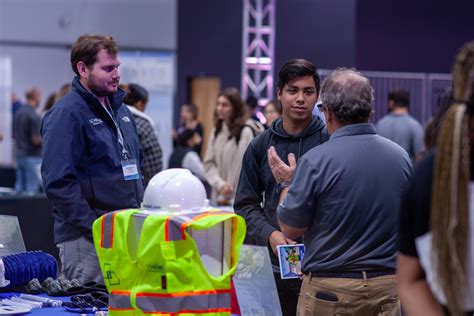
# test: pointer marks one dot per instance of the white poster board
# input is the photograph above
(5, 111)
(156, 73)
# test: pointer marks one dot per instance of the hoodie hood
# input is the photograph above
(314, 127)
(279, 135)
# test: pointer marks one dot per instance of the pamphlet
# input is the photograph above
(290, 258)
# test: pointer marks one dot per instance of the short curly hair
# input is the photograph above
(349, 95)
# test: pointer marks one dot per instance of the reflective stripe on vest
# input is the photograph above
(175, 226)
(120, 300)
(107, 238)
(212, 301)
(174, 229)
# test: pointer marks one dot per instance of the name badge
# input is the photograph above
(130, 170)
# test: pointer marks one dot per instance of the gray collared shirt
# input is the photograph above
(347, 192)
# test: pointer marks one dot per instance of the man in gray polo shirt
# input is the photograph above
(399, 126)
(344, 199)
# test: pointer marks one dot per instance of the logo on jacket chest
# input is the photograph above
(95, 121)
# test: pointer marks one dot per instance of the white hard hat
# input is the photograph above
(174, 190)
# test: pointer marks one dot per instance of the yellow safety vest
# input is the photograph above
(166, 275)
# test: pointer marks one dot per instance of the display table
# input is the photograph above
(59, 310)
(36, 220)
(50, 310)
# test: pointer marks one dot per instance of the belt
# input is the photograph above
(352, 274)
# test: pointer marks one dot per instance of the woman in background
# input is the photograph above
(189, 121)
(227, 144)
(184, 156)
(272, 111)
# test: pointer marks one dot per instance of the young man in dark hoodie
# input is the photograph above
(292, 135)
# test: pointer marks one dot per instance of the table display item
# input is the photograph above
(22, 267)
(11, 239)
(164, 273)
(290, 258)
(13, 310)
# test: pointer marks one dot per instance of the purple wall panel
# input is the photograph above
(424, 90)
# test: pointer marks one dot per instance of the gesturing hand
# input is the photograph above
(280, 170)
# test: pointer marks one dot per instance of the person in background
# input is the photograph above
(189, 120)
(137, 100)
(184, 156)
(227, 144)
(250, 116)
(26, 132)
(433, 125)
(16, 103)
(50, 100)
(436, 238)
(272, 112)
(55, 96)
(399, 126)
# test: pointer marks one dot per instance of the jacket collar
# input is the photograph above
(115, 99)
(354, 129)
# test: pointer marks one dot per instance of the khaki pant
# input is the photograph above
(359, 297)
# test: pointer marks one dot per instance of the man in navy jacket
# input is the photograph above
(91, 154)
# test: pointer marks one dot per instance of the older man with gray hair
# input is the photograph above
(344, 199)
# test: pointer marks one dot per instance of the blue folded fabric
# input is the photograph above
(22, 267)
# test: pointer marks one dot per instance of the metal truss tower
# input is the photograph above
(258, 49)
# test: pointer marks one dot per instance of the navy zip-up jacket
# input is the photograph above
(82, 169)
(257, 184)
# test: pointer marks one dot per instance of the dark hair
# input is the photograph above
(136, 93)
(193, 109)
(294, 68)
(87, 47)
(277, 105)
(65, 89)
(32, 93)
(400, 97)
(184, 135)
(50, 102)
(450, 211)
(444, 102)
(251, 101)
(237, 118)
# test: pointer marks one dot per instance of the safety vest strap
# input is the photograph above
(174, 228)
(120, 300)
(213, 301)
(107, 236)
(176, 225)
